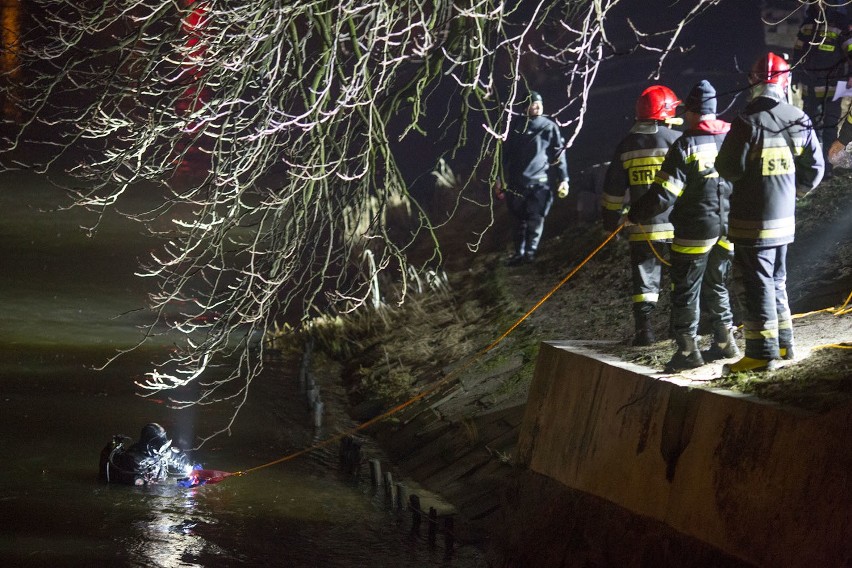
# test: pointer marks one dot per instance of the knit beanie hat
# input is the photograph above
(702, 98)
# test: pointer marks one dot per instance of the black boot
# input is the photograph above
(687, 355)
(644, 335)
(724, 345)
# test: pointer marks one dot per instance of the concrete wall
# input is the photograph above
(765, 484)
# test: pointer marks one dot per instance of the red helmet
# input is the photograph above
(771, 69)
(656, 103)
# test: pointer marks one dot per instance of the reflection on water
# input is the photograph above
(60, 293)
(168, 538)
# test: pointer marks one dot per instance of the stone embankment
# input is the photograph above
(608, 464)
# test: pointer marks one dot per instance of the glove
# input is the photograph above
(835, 152)
(562, 190)
(498, 190)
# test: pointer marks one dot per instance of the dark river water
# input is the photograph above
(68, 302)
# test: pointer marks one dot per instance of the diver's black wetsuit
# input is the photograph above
(150, 460)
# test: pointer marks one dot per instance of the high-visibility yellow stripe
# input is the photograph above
(725, 243)
(758, 330)
(690, 250)
(777, 161)
(673, 186)
(762, 233)
(612, 202)
(643, 161)
(669, 183)
(649, 297)
(704, 154)
(761, 334)
(655, 236)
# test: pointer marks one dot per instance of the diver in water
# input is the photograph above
(152, 459)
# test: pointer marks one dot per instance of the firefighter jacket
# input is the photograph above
(534, 153)
(689, 186)
(634, 166)
(818, 54)
(770, 155)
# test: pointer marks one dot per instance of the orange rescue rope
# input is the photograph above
(438, 384)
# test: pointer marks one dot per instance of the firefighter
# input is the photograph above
(152, 459)
(689, 186)
(771, 155)
(819, 62)
(637, 159)
(533, 160)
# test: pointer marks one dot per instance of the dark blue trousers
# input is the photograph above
(768, 323)
(529, 207)
(700, 277)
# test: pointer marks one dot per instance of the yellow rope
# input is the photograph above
(832, 346)
(434, 387)
(654, 250)
(840, 311)
(473, 359)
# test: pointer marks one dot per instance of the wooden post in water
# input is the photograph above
(401, 496)
(433, 526)
(449, 534)
(390, 490)
(317, 413)
(344, 451)
(350, 455)
(376, 472)
(303, 374)
(313, 395)
(305, 364)
(416, 517)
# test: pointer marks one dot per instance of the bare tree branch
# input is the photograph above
(269, 132)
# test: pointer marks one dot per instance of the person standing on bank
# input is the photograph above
(697, 196)
(771, 155)
(636, 162)
(818, 63)
(533, 161)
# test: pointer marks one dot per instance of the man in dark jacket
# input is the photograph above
(689, 186)
(533, 160)
(152, 459)
(771, 155)
(637, 159)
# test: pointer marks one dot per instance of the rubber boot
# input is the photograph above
(644, 335)
(749, 364)
(515, 260)
(788, 353)
(724, 345)
(687, 355)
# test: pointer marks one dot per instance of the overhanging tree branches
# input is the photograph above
(270, 129)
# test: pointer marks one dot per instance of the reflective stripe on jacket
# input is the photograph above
(690, 187)
(818, 55)
(770, 155)
(637, 160)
